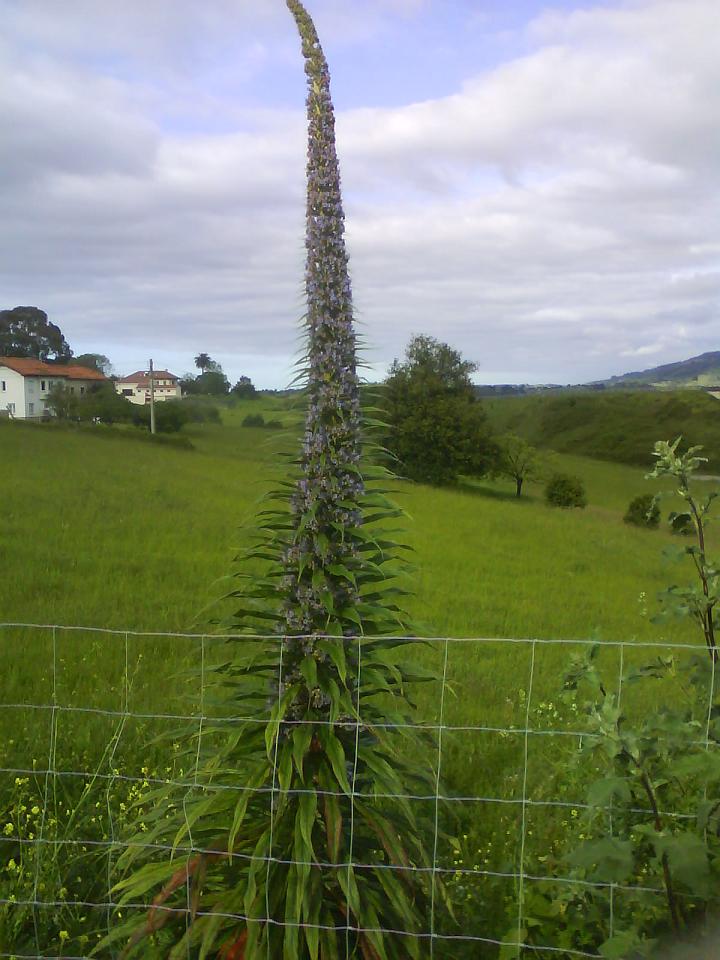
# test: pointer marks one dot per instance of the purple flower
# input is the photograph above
(321, 504)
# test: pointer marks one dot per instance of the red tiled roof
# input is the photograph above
(27, 367)
(142, 377)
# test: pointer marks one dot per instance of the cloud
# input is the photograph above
(554, 214)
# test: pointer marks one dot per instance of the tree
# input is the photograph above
(101, 403)
(96, 361)
(438, 428)
(188, 384)
(519, 461)
(27, 332)
(61, 402)
(104, 404)
(244, 389)
(203, 362)
(213, 382)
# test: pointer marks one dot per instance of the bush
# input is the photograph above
(565, 490)
(254, 420)
(643, 511)
(170, 416)
(199, 411)
(274, 425)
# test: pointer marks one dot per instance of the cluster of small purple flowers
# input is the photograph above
(324, 504)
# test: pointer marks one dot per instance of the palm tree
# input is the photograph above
(202, 362)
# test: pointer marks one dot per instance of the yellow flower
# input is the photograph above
(64, 935)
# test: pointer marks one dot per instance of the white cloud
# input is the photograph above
(555, 214)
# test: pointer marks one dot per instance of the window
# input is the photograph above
(82, 389)
(3, 386)
(42, 385)
(127, 393)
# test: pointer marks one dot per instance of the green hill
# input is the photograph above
(620, 425)
(701, 371)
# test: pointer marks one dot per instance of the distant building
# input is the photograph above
(26, 383)
(136, 387)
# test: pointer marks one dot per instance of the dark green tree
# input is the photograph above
(95, 361)
(104, 404)
(244, 389)
(214, 383)
(437, 426)
(62, 403)
(101, 404)
(27, 332)
(203, 362)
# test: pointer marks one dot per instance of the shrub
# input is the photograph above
(254, 420)
(643, 511)
(200, 411)
(274, 425)
(170, 416)
(565, 490)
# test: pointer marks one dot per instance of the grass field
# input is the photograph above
(100, 529)
(110, 532)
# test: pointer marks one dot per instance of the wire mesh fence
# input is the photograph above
(93, 721)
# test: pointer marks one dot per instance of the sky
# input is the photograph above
(536, 184)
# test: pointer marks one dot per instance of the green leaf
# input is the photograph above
(308, 668)
(333, 826)
(608, 860)
(623, 945)
(301, 738)
(687, 859)
(512, 938)
(603, 792)
(336, 651)
(336, 755)
(307, 811)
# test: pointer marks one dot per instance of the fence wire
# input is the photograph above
(88, 706)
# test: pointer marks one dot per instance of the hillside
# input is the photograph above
(701, 371)
(620, 426)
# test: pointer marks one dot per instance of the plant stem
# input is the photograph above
(667, 878)
(706, 616)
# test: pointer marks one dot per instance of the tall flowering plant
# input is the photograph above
(299, 837)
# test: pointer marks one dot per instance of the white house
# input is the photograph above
(136, 387)
(25, 384)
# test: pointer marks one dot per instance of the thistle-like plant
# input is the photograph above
(298, 837)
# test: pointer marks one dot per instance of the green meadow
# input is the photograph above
(101, 529)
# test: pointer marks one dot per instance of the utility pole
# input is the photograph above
(152, 399)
